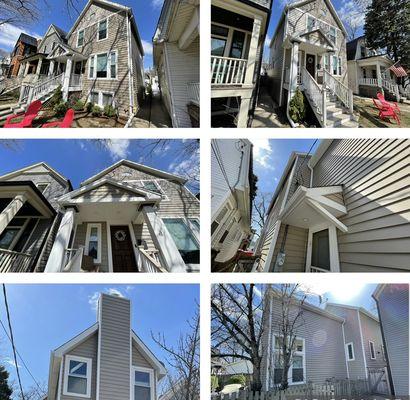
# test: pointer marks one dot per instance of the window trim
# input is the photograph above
(98, 29)
(89, 363)
(372, 350)
(347, 351)
(78, 37)
(95, 55)
(87, 240)
(20, 229)
(150, 371)
(228, 45)
(100, 97)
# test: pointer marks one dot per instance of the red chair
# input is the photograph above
(385, 112)
(31, 113)
(394, 105)
(65, 123)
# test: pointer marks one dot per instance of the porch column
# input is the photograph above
(11, 210)
(293, 77)
(253, 50)
(51, 69)
(40, 63)
(61, 242)
(163, 241)
(244, 111)
(379, 75)
(26, 69)
(22, 70)
(67, 75)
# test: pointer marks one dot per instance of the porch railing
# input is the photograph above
(76, 80)
(12, 261)
(228, 71)
(315, 93)
(148, 261)
(11, 83)
(343, 93)
(391, 87)
(193, 92)
(317, 269)
(32, 92)
(368, 81)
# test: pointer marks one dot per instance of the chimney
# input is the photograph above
(114, 348)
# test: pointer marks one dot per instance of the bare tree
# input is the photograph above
(183, 383)
(35, 392)
(260, 208)
(236, 326)
(18, 12)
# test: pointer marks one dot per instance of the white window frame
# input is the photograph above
(229, 38)
(347, 351)
(87, 241)
(78, 37)
(98, 29)
(372, 350)
(20, 229)
(42, 183)
(89, 363)
(194, 229)
(307, 21)
(157, 184)
(108, 54)
(151, 378)
(100, 97)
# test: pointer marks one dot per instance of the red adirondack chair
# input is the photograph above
(391, 104)
(65, 123)
(31, 113)
(386, 112)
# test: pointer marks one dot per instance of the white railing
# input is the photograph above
(73, 259)
(391, 87)
(11, 83)
(368, 81)
(46, 86)
(228, 71)
(76, 80)
(193, 92)
(148, 261)
(317, 269)
(11, 261)
(315, 93)
(405, 92)
(344, 94)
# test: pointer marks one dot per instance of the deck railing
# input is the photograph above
(193, 92)
(339, 89)
(12, 261)
(368, 81)
(228, 71)
(317, 269)
(148, 261)
(47, 86)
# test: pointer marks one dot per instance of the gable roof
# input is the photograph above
(61, 32)
(134, 165)
(321, 33)
(27, 39)
(360, 309)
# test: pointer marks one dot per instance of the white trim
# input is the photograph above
(372, 350)
(269, 345)
(42, 183)
(99, 238)
(344, 341)
(99, 313)
(347, 351)
(362, 344)
(78, 37)
(134, 243)
(88, 362)
(109, 248)
(98, 29)
(149, 371)
(60, 380)
(108, 77)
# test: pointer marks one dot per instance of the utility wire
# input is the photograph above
(304, 160)
(12, 341)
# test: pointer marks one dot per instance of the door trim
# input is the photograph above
(315, 56)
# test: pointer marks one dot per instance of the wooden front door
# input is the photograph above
(311, 64)
(123, 258)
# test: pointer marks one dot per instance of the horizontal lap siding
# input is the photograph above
(138, 359)
(47, 43)
(276, 64)
(393, 305)
(138, 77)
(375, 176)
(372, 332)
(87, 349)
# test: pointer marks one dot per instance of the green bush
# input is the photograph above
(60, 109)
(237, 379)
(214, 382)
(110, 111)
(89, 107)
(57, 97)
(297, 107)
(96, 111)
(78, 105)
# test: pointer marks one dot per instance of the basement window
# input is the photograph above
(77, 376)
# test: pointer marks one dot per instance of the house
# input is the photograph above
(342, 209)
(176, 59)
(127, 218)
(308, 52)
(369, 71)
(29, 216)
(100, 60)
(231, 202)
(336, 343)
(238, 31)
(393, 307)
(4, 65)
(26, 45)
(107, 360)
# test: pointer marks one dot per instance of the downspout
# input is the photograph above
(292, 124)
(311, 174)
(130, 71)
(344, 349)
(267, 380)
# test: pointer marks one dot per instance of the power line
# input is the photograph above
(304, 160)
(12, 341)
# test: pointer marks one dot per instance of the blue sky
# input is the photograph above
(146, 14)
(81, 159)
(45, 316)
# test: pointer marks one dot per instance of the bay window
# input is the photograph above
(77, 376)
(143, 384)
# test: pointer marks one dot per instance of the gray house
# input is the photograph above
(106, 361)
(342, 209)
(393, 306)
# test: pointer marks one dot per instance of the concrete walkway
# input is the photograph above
(152, 114)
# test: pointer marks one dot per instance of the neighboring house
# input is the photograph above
(327, 346)
(393, 306)
(25, 46)
(369, 71)
(342, 209)
(308, 52)
(4, 65)
(176, 59)
(232, 193)
(29, 216)
(108, 360)
(238, 32)
(225, 370)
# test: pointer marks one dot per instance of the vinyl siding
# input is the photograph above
(374, 173)
(393, 305)
(372, 332)
(276, 63)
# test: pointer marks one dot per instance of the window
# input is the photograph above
(340, 66)
(53, 46)
(10, 235)
(372, 351)
(362, 51)
(218, 220)
(93, 242)
(152, 186)
(349, 352)
(332, 34)
(320, 250)
(223, 237)
(103, 66)
(80, 38)
(107, 99)
(238, 43)
(311, 22)
(102, 29)
(184, 239)
(113, 65)
(195, 226)
(143, 384)
(327, 60)
(91, 67)
(219, 35)
(94, 98)
(42, 186)
(335, 65)
(77, 376)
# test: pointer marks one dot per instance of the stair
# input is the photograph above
(337, 115)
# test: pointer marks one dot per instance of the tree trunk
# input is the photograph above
(256, 376)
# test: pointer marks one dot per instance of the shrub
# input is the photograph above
(60, 109)
(110, 111)
(238, 379)
(297, 107)
(96, 111)
(214, 382)
(89, 107)
(78, 105)
(56, 98)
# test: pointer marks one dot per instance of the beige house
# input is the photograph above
(342, 209)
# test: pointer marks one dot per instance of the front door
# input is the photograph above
(311, 64)
(123, 259)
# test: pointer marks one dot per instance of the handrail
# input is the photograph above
(147, 262)
(74, 262)
(315, 92)
(344, 94)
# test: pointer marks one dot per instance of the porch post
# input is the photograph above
(253, 50)
(379, 76)
(26, 68)
(40, 63)
(334, 250)
(61, 242)
(293, 77)
(66, 80)
(51, 69)
(163, 241)
(244, 111)
(11, 210)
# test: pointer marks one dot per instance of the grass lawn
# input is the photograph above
(369, 115)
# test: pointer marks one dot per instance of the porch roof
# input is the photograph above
(34, 57)
(372, 60)
(65, 51)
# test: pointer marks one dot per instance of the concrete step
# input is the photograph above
(333, 111)
(341, 121)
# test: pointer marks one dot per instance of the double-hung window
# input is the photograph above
(311, 23)
(93, 242)
(10, 235)
(91, 67)
(219, 39)
(332, 34)
(103, 66)
(143, 384)
(102, 29)
(80, 38)
(335, 67)
(77, 376)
